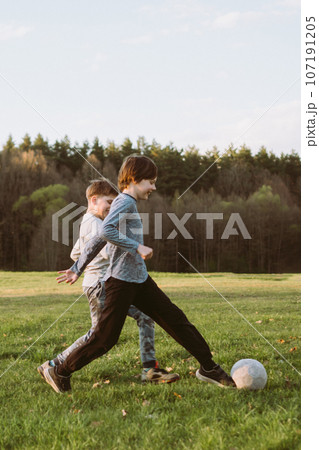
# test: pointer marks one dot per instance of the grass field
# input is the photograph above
(121, 412)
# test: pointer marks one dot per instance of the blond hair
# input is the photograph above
(100, 188)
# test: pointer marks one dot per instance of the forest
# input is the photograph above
(37, 179)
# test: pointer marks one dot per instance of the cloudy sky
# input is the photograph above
(191, 72)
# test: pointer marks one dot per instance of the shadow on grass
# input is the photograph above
(9, 355)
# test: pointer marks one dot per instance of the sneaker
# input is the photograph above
(157, 375)
(217, 376)
(58, 382)
(41, 368)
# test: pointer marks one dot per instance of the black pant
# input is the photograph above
(148, 298)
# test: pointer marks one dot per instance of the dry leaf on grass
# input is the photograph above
(288, 382)
(96, 424)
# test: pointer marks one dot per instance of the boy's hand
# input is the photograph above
(145, 252)
(68, 277)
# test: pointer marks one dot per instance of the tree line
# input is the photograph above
(37, 179)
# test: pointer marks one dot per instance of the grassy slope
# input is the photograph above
(187, 414)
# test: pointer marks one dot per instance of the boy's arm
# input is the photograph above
(104, 252)
(94, 230)
(92, 248)
(76, 252)
(110, 228)
(94, 245)
(109, 231)
(90, 251)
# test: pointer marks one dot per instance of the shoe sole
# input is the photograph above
(40, 371)
(50, 381)
(209, 380)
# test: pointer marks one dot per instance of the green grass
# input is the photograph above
(188, 414)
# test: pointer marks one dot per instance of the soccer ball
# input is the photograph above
(249, 374)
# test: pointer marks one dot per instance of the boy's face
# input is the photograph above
(101, 205)
(144, 188)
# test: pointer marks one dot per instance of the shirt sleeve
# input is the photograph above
(76, 252)
(94, 230)
(110, 229)
(104, 252)
(92, 248)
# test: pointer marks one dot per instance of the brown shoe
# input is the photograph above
(216, 376)
(59, 383)
(157, 375)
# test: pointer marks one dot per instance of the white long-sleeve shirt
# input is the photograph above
(96, 269)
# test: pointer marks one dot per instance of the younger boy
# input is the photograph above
(100, 195)
(127, 282)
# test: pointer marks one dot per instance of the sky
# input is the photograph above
(189, 72)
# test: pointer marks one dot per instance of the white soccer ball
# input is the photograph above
(249, 374)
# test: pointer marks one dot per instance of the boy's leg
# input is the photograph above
(153, 302)
(96, 299)
(119, 295)
(147, 336)
(151, 369)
